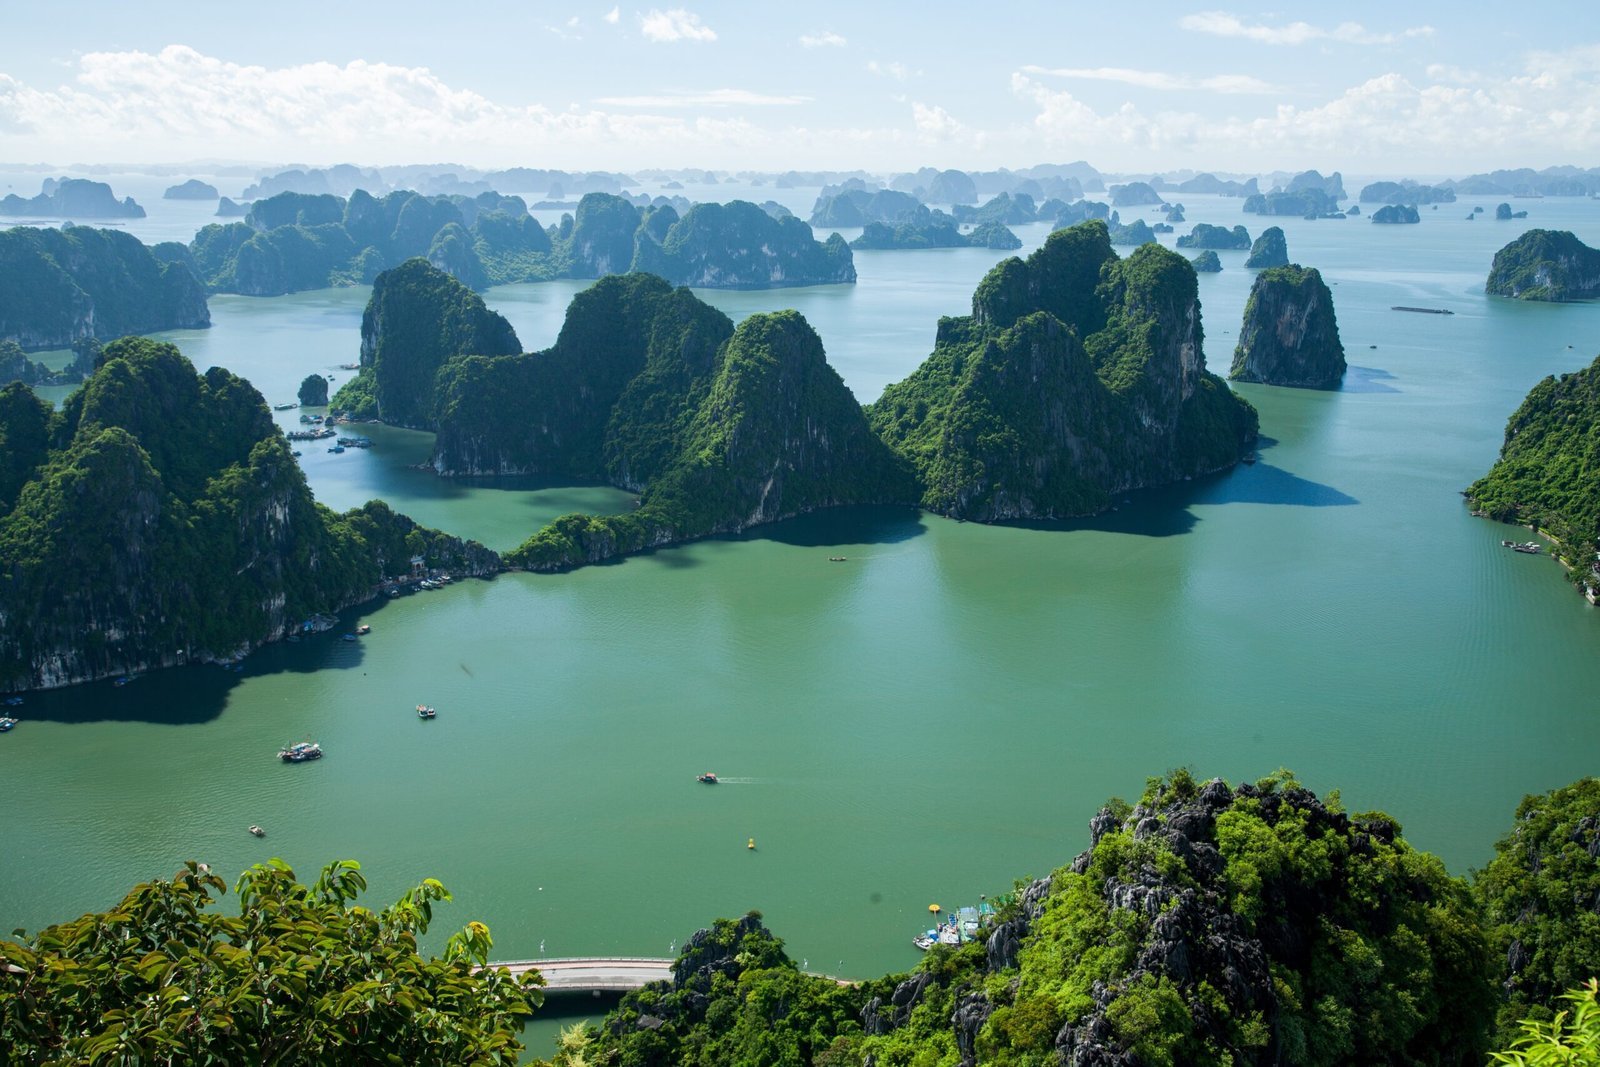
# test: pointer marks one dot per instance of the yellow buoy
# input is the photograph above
(751, 843)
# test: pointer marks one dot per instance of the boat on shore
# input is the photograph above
(301, 752)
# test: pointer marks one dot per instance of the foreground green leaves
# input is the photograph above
(301, 975)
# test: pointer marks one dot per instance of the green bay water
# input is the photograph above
(925, 722)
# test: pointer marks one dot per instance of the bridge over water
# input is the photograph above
(603, 974)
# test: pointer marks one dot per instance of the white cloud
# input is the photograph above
(1223, 24)
(1154, 79)
(568, 31)
(709, 98)
(897, 71)
(825, 39)
(613, 16)
(675, 25)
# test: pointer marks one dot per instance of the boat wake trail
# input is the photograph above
(735, 781)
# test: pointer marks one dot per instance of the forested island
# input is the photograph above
(71, 198)
(1290, 335)
(295, 241)
(1548, 473)
(62, 287)
(1546, 265)
(158, 518)
(1253, 924)
(1396, 214)
(1205, 235)
(1271, 249)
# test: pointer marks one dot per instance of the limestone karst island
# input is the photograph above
(835, 536)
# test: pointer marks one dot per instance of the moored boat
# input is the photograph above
(363, 630)
(300, 752)
(6, 723)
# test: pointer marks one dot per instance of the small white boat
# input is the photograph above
(258, 831)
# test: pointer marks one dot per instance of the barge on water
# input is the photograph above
(1422, 311)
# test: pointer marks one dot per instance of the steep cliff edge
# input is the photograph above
(60, 287)
(1078, 375)
(1546, 265)
(1290, 334)
(160, 519)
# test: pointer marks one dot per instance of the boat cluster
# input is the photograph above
(1531, 547)
(426, 711)
(6, 723)
(311, 435)
(959, 926)
(434, 583)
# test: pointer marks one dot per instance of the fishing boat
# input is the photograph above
(363, 630)
(284, 407)
(708, 778)
(425, 711)
(836, 559)
(6, 723)
(926, 941)
(300, 752)
(258, 831)
(1423, 311)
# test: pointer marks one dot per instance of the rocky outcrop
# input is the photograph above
(1207, 262)
(1305, 202)
(1503, 213)
(1331, 187)
(1407, 192)
(1078, 375)
(1134, 194)
(1137, 232)
(1290, 335)
(951, 187)
(193, 189)
(1204, 235)
(1546, 265)
(1270, 250)
(862, 207)
(934, 230)
(1210, 183)
(72, 198)
(168, 523)
(735, 246)
(1396, 214)
(314, 391)
(228, 209)
(59, 287)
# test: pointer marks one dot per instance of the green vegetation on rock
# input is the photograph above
(314, 391)
(1204, 925)
(60, 287)
(161, 519)
(1539, 896)
(1290, 334)
(1079, 375)
(1271, 249)
(1204, 235)
(301, 974)
(1546, 265)
(1396, 214)
(1548, 473)
(417, 318)
(1207, 262)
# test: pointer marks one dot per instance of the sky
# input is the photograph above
(1398, 89)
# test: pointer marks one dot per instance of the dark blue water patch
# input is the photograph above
(838, 527)
(198, 693)
(1263, 483)
(1367, 380)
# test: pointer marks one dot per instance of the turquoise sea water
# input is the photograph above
(926, 722)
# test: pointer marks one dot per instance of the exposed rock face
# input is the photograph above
(1546, 265)
(193, 189)
(1503, 213)
(1134, 194)
(60, 287)
(1290, 335)
(738, 246)
(862, 207)
(228, 209)
(1207, 262)
(417, 318)
(1396, 214)
(1137, 232)
(72, 198)
(1078, 375)
(170, 525)
(1205, 235)
(1270, 250)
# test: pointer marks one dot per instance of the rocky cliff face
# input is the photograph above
(173, 526)
(1079, 375)
(1204, 235)
(1290, 334)
(1396, 215)
(1546, 265)
(58, 287)
(1270, 250)
(418, 318)
(72, 198)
